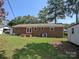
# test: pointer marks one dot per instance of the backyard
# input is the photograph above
(31, 47)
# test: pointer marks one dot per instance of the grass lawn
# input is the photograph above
(10, 43)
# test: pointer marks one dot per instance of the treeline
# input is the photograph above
(23, 20)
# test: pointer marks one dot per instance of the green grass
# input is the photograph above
(10, 43)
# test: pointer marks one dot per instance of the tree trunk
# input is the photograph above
(55, 14)
(55, 20)
(76, 14)
(55, 17)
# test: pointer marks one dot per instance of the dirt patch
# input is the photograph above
(67, 48)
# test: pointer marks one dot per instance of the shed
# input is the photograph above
(73, 34)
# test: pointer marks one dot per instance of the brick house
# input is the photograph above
(39, 30)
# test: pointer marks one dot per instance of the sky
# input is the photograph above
(24, 7)
(32, 7)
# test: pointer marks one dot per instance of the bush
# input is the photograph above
(65, 34)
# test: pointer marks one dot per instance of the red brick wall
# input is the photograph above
(58, 31)
(19, 30)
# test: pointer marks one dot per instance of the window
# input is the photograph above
(35, 28)
(72, 30)
(51, 29)
(29, 30)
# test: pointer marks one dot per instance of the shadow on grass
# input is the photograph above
(69, 49)
(38, 51)
(2, 55)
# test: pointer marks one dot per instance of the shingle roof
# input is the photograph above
(39, 25)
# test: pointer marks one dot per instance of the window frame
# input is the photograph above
(73, 30)
(28, 30)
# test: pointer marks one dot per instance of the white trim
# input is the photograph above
(44, 34)
(29, 30)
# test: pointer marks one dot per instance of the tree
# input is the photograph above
(56, 10)
(66, 26)
(42, 15)
(2, 15)
(72, 7)
(23, 20)
(3, 19)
